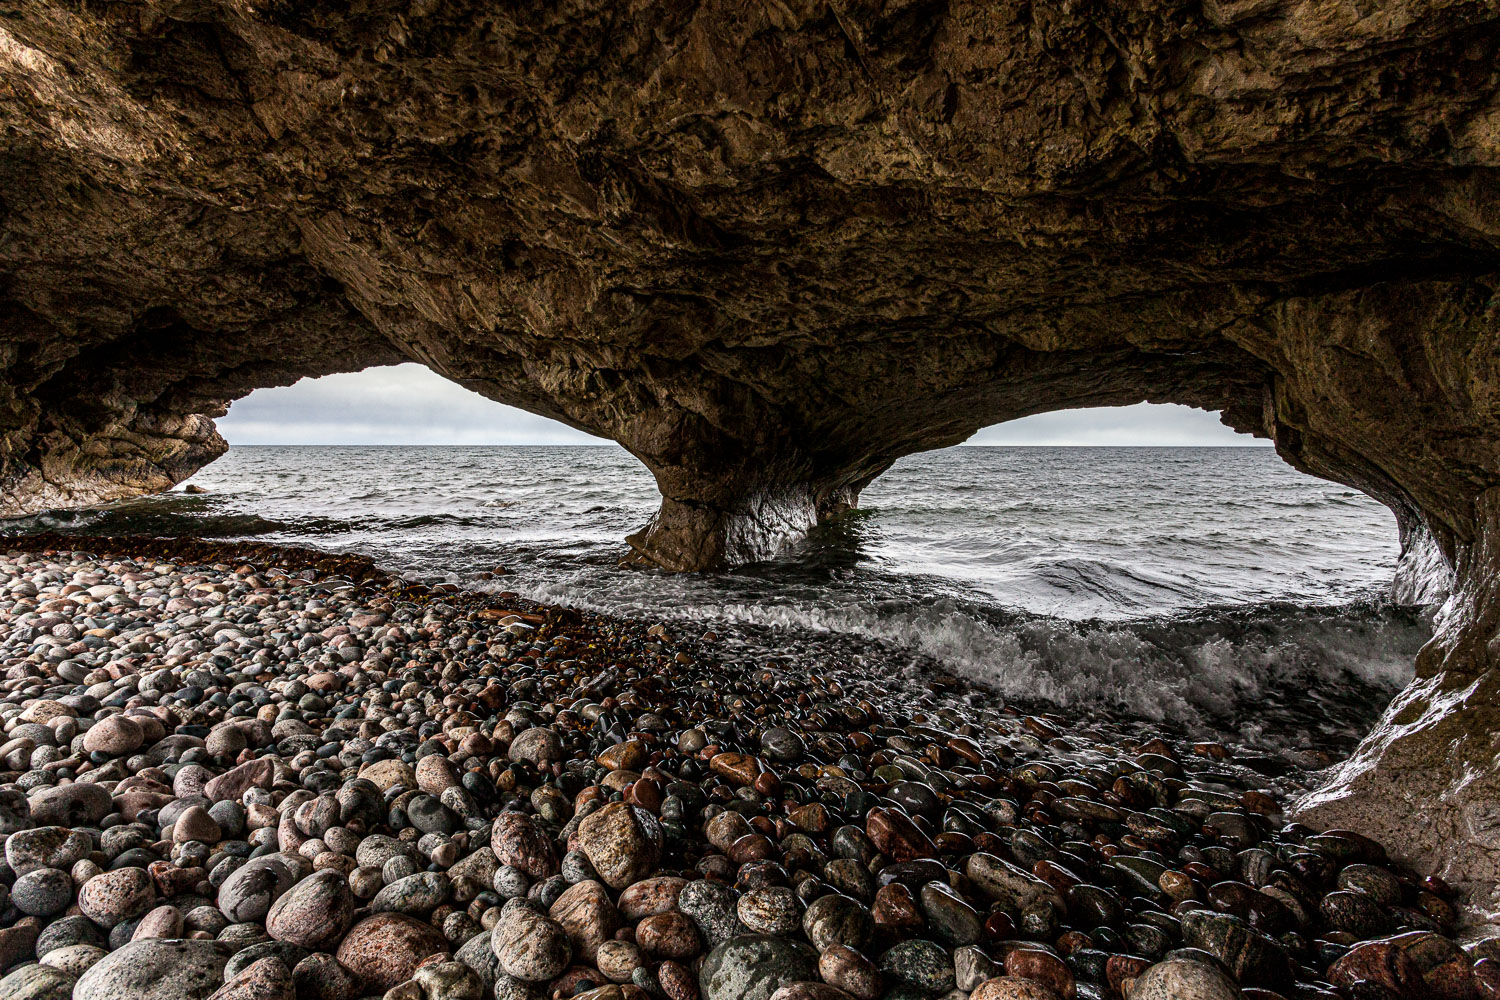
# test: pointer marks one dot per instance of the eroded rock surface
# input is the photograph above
(770, 248)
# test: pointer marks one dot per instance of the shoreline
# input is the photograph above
(551, 797)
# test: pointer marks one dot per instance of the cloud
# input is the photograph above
(1142, 425)
(404, 404)
(409, 404)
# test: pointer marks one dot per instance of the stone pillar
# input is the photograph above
(689, 536)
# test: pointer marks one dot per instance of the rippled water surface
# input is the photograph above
(1210, 589)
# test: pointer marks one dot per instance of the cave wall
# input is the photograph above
(770, 247)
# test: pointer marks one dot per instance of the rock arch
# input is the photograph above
(771, 247)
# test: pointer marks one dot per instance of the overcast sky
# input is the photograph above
(408, 404)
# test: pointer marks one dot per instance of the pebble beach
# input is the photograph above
(238, 772)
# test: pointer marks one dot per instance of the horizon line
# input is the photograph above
(615, 444)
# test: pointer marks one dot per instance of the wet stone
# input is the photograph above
(925, 966)
(651, 895)
(772, 910)
(668, 935)
(950, 919)
(1004, 883)
(1355, 912)
(588, 916)
(536, 746)
(1178, 979)
(622, 843)
(850, 971)
(783, 744)
(1013, 988)
(835, 919)
(893, 833)
(1251, 957)
(895, 909)
(518, 842)
(1037, 965)
(1092, 906)
(971, 966)
(531, 946)
(629, 756)
(754, 966)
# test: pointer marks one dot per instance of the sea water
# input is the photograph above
(1212, 590)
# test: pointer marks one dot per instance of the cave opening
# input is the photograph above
(1143, 560)
(1072, 513)
(1105, 512)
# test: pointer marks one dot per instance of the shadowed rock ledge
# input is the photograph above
(770, 248)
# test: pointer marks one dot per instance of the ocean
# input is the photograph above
(1213, 591)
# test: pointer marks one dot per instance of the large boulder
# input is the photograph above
(156, 969)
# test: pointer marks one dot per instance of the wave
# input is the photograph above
(152, 517)
(1237, 671)
(1115, 585)
(109, 521)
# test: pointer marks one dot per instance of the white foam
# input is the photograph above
(1175, 669)
(1423, 575)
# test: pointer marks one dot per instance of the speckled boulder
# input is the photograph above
(154, 969)
(117, 896)
(385, 949)
(247, 895)
(622, 842)
(37, 982)
(314, 913)
(517, 841)
(754, 966)
(531, 946)
(1183, 979)
(79, 804)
